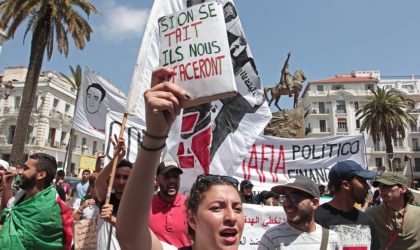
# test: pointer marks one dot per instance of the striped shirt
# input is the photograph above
(284, 236)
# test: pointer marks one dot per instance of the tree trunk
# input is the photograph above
(71, 144)
(38, 45)
(389, 150)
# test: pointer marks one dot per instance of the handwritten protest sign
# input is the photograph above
(258, 219)
(194, 43)
(85, 234)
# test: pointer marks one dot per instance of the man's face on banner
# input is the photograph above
(93, 99)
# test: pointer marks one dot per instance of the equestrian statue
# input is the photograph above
(289, 84)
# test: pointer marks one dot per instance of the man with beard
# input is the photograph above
(168, 218)
(36, 218)
(300, 197)
(396, 219)
(355, 228)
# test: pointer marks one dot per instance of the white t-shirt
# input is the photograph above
(90, 212)
(103, 236)
(166, 246)
(284, 236)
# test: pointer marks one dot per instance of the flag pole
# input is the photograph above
(115, 160)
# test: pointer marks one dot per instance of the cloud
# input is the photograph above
(121, 23)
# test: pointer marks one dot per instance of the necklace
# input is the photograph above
(392, 235)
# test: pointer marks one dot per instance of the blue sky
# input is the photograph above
(325, 37)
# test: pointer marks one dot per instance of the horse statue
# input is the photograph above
(293, 88)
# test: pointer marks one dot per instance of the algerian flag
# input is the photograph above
(41, 222)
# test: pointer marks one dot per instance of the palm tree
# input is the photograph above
(47, 20)
(384, 116)
(76, 82)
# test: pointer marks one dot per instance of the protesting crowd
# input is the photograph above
(146, 210)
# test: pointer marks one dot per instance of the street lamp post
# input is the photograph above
(408, 158)
(391, 158)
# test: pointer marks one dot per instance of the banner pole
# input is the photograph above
(115, 160)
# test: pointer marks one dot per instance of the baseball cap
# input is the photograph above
(246, 184)
(390, 178)
(4, 164)
(301, 183)
(166, 166)
(345, 170)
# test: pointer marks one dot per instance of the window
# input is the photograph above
(17, 103)
(417, 164)
(408, 87)
(341, 106)
(320, 87)
(94, 147)
(342, 125)
(358, 123)
(396, 164)
(29, 134)
(369, 86)
(337, 87)
(322, 126)
(67, 108)
(378, 162)
(63, 138)
(398, 142)
(11, 134)
(83, 141)
(356, 105)
(55, 103)
(51, 137)
(321, 106)
(415, 142)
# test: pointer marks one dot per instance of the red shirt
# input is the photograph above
(169, 221)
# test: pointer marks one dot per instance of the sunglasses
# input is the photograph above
(293, 198)
(207, 178)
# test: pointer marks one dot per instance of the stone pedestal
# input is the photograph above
(287, 124)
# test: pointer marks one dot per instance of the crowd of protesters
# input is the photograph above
(358, 209)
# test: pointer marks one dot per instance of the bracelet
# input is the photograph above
(152, 149)
(153, 136)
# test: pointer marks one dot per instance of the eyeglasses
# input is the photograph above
(294, 198)
(212, 177)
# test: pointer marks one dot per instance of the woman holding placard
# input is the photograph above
(214, 207)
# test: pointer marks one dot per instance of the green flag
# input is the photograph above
(41, 222)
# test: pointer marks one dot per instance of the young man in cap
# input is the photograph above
(355, 228)
(245, 189)
(395, 219)
(300, 196)
(168, 218)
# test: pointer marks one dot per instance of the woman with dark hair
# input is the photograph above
(214, 207)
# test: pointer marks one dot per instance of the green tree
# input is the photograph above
(76, 82)
(48, 20)
(384, 117)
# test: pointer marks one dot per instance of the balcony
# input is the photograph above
(341, 111)
(10, 110)
(415, 129)
(317, 130)
(342, 130)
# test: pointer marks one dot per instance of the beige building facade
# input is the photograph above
(330, 110)
(50, 122)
